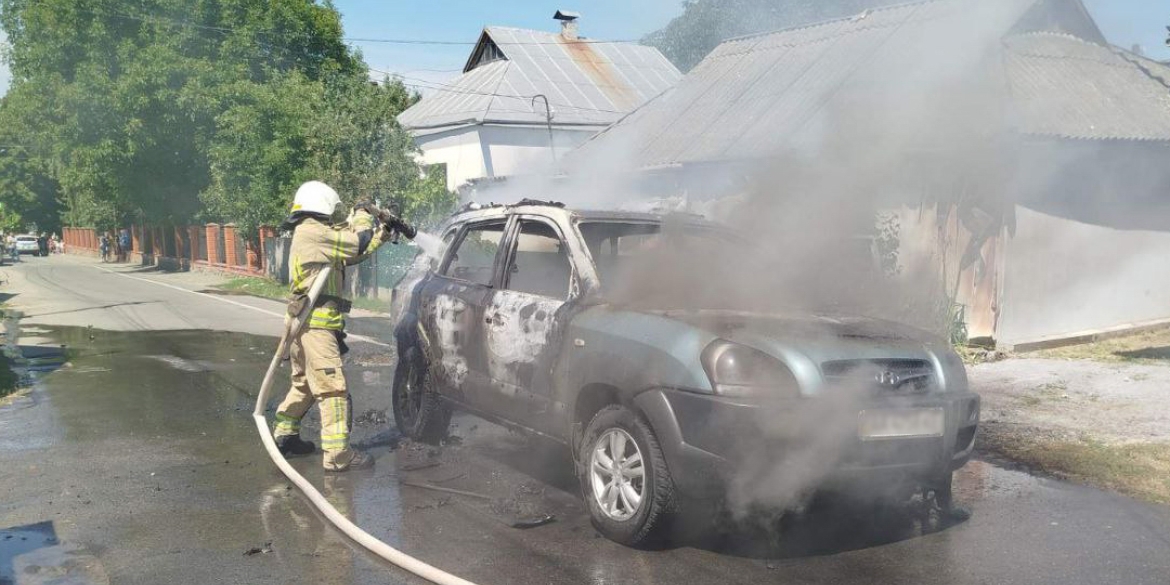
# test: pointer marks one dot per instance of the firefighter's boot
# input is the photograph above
(293, 445)
(350, 460)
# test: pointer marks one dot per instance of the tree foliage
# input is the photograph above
(181, 110)
(704, 24)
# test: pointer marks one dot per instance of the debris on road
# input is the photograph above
(447, 490)
(420, 466)
(259, 550)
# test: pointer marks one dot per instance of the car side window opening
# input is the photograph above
(611, 242)
(540, 264)
(475, 257)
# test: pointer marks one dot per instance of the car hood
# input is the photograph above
(818, 336)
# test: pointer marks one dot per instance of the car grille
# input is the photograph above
(885, 376)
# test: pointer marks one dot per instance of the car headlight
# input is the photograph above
(743, 372)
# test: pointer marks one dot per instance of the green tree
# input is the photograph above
(120, 101)
(341, 130)
(704, 24)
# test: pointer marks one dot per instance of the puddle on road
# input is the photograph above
(33, 555)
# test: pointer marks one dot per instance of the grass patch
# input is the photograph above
(1139, 470)
(375, 305)
(1150, 347)
(270, 289)
(261, 287)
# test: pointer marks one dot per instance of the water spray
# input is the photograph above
(293, 325)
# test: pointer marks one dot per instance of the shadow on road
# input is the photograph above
(1148, 353)
(97, 308)
(825, 526)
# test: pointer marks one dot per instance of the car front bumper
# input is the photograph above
(711, 443)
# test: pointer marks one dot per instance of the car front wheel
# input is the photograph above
(419, 412)
(623, 474)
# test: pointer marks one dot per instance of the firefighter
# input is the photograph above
(316, 351)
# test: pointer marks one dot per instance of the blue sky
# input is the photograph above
(1125, 23)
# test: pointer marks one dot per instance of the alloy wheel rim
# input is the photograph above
(411, 394)
(617, 474)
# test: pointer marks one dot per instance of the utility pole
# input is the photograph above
(548, 119)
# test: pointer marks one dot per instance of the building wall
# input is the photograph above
(1063, 277)
(518, 150)
(473, 152)
(458, 149)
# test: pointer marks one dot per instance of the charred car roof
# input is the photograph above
(551, 208)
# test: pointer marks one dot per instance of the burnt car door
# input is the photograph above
(522, 326)
(451, 309)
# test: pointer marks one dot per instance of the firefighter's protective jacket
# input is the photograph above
(316, 244)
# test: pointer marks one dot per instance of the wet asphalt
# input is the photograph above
(138, 462)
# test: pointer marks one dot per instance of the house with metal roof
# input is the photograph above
(526, 96)
(1066, 137)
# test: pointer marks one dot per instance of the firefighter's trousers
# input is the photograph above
(317, 377)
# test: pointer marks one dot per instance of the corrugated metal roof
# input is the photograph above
(1064, 86)
(587, 83)
(776, 92)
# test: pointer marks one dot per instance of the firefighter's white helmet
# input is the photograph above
(316, 197)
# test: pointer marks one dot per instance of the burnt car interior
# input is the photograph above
(474, 259)
(540, 264)
(610, 242)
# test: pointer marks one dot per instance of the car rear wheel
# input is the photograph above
(419, 412)
(627, 486)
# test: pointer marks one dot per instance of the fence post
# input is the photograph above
(212, 243)
(266, 233)
(192, 244)
(229, 244)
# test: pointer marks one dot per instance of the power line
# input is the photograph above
(470, 43)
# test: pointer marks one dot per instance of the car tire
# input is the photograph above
(648, 520)
(419, 411)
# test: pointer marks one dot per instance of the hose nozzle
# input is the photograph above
(396, 225)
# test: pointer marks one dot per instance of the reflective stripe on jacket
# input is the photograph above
(315, 245)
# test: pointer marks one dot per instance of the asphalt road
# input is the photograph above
(138, 463)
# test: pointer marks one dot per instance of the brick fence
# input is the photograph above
(208, 247)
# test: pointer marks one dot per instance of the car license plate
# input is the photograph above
(901, 423)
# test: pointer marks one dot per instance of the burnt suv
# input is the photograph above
(663, 406)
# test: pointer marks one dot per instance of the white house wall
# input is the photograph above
(1063, 278)
(458, 149)
(525, 150)
(473, 152)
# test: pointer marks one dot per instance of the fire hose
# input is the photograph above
(292, 327)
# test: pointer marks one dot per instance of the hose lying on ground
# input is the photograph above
(292, 326)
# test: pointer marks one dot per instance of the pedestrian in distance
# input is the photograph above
(316, 351)
(10, 245)
(124, 245)
(104, 246)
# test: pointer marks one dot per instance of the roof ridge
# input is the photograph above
(1054, 33)
(1137, 61)
(821, 23)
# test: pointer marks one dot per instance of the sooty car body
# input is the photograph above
(513, 324)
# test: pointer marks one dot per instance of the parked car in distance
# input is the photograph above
(27, 244)
(663, 406)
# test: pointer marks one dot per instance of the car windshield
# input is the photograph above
(678, 263)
